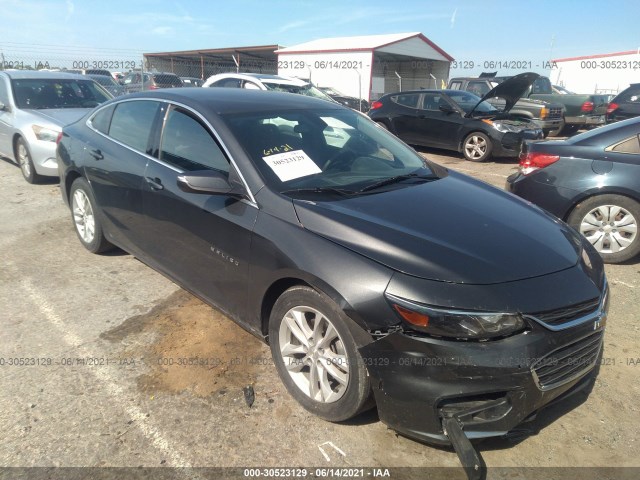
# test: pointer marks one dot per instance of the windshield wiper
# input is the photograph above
(339, 191)
(396, 179)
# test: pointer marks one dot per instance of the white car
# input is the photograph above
(261, 81)
(34, 106)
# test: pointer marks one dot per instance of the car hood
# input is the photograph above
(510, 90)
(454, 229)
(60, 116)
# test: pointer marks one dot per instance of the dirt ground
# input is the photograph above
(165, 386)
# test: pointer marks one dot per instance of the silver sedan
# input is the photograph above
(34, 106)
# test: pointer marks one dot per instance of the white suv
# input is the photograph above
(260, 81)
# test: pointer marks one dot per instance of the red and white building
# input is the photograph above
(368, 66)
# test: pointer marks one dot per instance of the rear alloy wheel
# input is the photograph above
(83, 213)
(23, 156)
(477, 147)
(316, 355)
(610, 224)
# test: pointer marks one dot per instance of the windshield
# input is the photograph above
(57, 93)
(307, 89)
(466, 101)
(335, 150)
(332, 91)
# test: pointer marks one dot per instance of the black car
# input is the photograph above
(591, 181)
(625, 105)
(459, 120)
(359, 104)
(299, 219)
(109, 84)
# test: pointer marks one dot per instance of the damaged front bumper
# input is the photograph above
(488, 387)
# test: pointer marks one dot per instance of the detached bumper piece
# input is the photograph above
(470, 458)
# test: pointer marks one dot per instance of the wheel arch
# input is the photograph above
(279, 286)
(596, 192)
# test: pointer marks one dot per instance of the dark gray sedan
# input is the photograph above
(592, 181)
(376, 276)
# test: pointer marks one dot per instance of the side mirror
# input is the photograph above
(4, 108)
(211, 182)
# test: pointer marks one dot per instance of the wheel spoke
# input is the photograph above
(314, 390)
(335, 372)
(329, 336)
(296, 331)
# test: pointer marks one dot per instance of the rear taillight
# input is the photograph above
(587, 107)
(375, 105)
(531, 161)
(611, 107)
(154, 87)
(58, 138)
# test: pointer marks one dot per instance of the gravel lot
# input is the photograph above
(104, 337)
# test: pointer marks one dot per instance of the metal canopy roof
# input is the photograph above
(413, 44)
(261, 52)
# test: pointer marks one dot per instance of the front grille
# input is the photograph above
(555, 113)
(566, 314)
(567, 363)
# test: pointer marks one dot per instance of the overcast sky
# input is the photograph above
(476, 30)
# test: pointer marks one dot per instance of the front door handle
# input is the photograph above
(154, 183)
(97, 154)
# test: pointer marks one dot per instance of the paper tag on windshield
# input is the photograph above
(290, 165)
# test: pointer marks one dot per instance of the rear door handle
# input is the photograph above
(154, 183)
(97, 154)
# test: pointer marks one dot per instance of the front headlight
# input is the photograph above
(458, 324)
(45, 134)
(503, 127)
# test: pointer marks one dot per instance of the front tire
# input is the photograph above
(610, 224)
(477, 147)
(316, 355)
(85, 218)
(23, 157)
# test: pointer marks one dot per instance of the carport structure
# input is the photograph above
(368, 66)
(204, 63)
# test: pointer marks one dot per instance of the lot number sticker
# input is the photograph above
(290, 165)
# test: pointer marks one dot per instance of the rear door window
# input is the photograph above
(102, 119)
(630, 145)
(408, 100)
(187, 144)
(132, 123)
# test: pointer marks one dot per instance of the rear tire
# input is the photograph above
(84, 214)
(477, 147)
(382, 125)
(316, 355)
(25, 162)
(610, 224)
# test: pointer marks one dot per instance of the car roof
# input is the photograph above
(29, 74)
(263, 77)
(448, 91)
(609, 132)
(239, 100)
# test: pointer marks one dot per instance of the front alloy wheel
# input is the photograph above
(23, 156)
(610, 224)
(477, 147)
(314, 354)
(315, 351)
